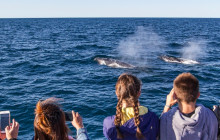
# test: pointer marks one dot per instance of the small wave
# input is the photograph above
(18, 63)
(28, 49)
(215, 43)
(92, 46)
(174, 44)
(61, 92)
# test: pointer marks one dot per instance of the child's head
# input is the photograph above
(49, 121)
(186, 87)
(128, 89)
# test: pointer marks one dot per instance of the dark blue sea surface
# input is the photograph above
(42, 58)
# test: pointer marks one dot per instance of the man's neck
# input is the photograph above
(187, 108)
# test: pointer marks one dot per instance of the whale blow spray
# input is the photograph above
(194, 50)
(140, 47)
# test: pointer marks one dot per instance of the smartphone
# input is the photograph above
(68, 116)
(4, 120)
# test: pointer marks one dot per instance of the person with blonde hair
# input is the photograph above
(132, 121)
(189, 120)
(49, 122)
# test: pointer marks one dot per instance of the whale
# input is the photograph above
(113, 63)
(172, 59)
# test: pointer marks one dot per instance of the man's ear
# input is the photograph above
(175, 97)
(198, 95)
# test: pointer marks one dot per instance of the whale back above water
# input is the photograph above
(113, 63)
(178, 60)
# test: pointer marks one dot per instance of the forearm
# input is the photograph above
(166, 108)
(82, 134)
(170, 101)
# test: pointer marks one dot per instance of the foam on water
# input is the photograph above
(189, 62)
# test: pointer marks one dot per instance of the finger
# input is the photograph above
(77, 114)
(13, 123)
(16, 125)
(172, 91)
(80, 119)
(174, 102)
(7, 129)
(74, 114)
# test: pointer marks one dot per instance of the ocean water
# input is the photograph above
(42, 58)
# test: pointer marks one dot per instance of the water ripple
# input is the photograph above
(41, 58)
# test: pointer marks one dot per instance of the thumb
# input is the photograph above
(7, 128)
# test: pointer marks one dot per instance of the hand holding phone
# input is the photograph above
(12, 131)
(7, 130)
(77, 121)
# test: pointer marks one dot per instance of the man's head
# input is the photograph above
(186, 87)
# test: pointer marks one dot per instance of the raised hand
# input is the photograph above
(77, 120)
(170, 101)
(12, 131)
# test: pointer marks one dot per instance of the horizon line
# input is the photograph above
(104, 17)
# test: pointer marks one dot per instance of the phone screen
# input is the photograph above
(4, 120)
(68, 116)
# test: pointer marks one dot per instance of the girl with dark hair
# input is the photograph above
(49, 123)
(131, 121)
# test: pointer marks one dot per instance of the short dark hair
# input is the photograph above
(186, 87)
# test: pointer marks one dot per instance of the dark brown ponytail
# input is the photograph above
(139, 134)
(117, 120)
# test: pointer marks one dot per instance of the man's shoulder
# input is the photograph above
(168, 114)
(209, 113)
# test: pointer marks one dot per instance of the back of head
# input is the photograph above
(49, 123)
(186, 87)
(127, 89)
